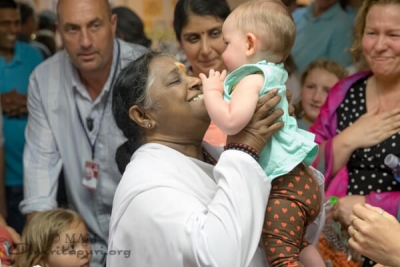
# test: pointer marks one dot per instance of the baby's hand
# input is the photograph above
(215, 81)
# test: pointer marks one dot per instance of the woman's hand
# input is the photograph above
(372, 128)
(375, 234)
(263, 125)
(344, 208)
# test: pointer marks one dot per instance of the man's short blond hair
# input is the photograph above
(271, 22)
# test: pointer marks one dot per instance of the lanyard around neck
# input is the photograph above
(93, 145)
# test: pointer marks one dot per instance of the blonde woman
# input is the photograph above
(360, 123)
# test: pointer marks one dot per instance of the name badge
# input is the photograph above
(91, 174)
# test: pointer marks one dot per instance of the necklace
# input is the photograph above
(208, 158)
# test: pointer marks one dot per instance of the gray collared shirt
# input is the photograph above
(55, 137)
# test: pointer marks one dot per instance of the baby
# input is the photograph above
(259, 35)
(53, 239)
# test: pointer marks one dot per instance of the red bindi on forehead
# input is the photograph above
(180, 65)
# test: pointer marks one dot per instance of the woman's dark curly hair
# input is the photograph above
(131, 88)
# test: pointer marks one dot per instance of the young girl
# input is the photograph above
(318, 78)
(259, 35)
(56, 238)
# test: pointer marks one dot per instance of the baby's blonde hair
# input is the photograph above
(40, 233)
(270, 21)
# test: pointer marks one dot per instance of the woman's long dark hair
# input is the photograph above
(130, 26)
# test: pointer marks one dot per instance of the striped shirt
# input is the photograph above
(55, 137)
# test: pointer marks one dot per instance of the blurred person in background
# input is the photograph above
(130, 27)
(291, 4)
(46, 33)
(314, 41)
(28, 21)
(17, 61)
(316, 82)
(29, 25)
(351, 7)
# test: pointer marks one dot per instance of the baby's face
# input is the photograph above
(71, 248)
(234, 55)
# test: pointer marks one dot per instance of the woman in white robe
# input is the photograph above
(173, 207)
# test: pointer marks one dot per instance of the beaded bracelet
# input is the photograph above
(245, 148)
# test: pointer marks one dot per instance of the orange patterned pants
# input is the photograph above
(294, 203)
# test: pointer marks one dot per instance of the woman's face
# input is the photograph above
(315, 91)
(179, 111)
(381, 40)
(202, 43)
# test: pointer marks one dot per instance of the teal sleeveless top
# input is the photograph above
(291, 145)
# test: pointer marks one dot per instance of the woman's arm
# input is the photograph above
(233, 116)
(368, 130)
(342, 148)
(362, 133)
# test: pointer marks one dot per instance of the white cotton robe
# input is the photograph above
(173, 210)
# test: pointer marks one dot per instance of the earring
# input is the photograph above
(149, 125)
